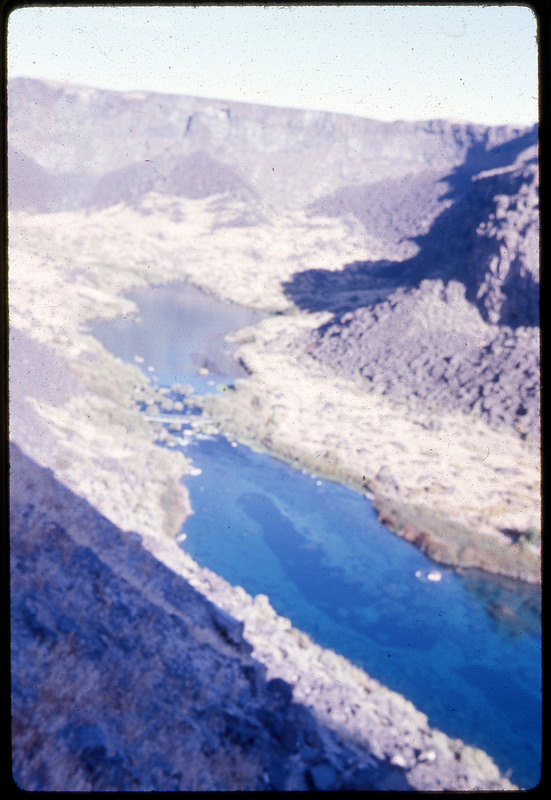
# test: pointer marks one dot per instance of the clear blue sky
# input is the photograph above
(471, 63)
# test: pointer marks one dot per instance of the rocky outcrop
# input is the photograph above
(430, 347)
(506, 248)
(455, 326)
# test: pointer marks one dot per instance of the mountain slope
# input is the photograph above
(124, 677)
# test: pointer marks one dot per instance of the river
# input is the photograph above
(466, 650)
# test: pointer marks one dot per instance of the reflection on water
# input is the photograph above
(180, 332)
(466, 651)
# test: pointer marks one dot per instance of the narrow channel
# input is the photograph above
(317, 550)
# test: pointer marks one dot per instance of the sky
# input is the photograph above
(462, 62)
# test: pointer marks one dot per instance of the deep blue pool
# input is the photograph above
(465, 650)
(318, 551)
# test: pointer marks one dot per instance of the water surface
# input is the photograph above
(180, 332)
(318, 551)
(466, 651)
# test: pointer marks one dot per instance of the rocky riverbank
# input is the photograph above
(447, 482)
(100, 626)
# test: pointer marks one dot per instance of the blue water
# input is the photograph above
(179, 329)
(318, 551)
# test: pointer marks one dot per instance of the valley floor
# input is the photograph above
(72, 410)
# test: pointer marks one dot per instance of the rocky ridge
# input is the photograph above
(91, 147)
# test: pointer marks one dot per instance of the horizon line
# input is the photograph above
(450, 120)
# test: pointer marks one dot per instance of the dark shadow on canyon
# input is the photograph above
(445, 251)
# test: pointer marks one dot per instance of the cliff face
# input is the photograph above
(456, 325)
(477, 223)
(506, 245)
(95, 145)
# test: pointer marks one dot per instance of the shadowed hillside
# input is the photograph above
(108, 642)
(456, 325)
